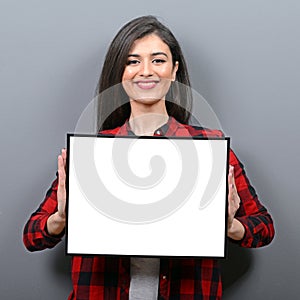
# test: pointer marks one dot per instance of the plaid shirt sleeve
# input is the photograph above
(35, 235)
(259, 228)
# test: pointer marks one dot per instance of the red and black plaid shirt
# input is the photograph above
(101, 277)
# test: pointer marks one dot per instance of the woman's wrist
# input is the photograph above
(236, 230)
(55, 224)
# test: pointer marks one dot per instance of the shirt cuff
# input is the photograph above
(247, 238)
(51, 240)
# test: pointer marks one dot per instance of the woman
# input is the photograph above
(146, 58)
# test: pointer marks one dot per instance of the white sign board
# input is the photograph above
(147, 196)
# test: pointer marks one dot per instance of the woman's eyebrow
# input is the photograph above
(152, 54)
(159, 53)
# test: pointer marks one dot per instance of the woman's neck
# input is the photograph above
(146, 121)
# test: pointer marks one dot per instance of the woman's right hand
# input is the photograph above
(56, 222)
(61, 189)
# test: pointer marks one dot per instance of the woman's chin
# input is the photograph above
(146, 100)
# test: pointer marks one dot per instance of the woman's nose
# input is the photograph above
(146, 69)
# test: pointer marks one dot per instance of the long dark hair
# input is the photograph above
(113, 107)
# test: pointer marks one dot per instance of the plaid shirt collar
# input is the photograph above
(171, 128)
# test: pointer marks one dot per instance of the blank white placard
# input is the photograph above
(147, 196)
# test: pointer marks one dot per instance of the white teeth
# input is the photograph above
(146, 83)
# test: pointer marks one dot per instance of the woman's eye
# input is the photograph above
(159, 61)
(132, 62)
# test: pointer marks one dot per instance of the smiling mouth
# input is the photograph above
(146, 85)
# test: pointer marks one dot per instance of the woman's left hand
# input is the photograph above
(233, 199)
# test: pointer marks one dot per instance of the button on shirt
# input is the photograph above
(158, 132)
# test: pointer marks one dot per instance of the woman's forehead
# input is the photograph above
(151, 43)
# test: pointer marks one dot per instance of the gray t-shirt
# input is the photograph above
(144, 274)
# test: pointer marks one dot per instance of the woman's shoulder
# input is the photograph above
(203, 131)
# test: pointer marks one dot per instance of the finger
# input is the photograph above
(61, 171)
(232, 179)
(233, 197)
(64, 156)
(60, 162)
(231, 175)
(231, 182)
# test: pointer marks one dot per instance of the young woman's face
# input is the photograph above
(149, 70)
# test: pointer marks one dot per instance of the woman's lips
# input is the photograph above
(146, 85)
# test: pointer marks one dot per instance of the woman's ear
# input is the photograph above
(175, 68)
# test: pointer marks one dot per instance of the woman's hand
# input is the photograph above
(61, 189)
(235, 229)
(56, 222)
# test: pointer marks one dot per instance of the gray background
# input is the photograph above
(243, 57)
